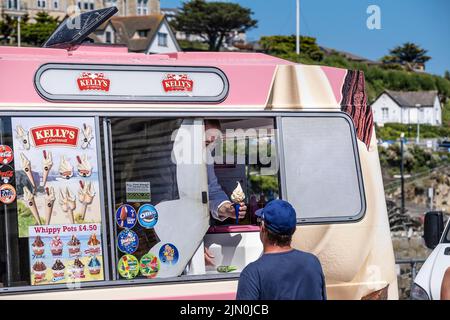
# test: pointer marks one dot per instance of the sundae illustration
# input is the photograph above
(77, 269)
(87, 136)
(68, 203)
(38, 246)
(31, 204)
(94, 244)
(85, 195)
(39, 271)
(237, 197)
(47, 164)
(74, 246)
(65, 168)
(26, 167)
(83, 166)
(56, 246)
(58, 269)
(169, 252)
(94, 266)
(23, 137)
(49, 201)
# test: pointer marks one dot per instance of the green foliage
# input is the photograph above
(186, 45)
(8, 26)
(392, 131)
(408, 53)
(25, 219)
(37, 33)
(263, 184)
(213, 21)
(284, 46)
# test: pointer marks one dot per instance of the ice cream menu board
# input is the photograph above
(56, 169)
(65, 253)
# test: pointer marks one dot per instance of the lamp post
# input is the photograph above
(402, 179)
(419, 109)
(297, 38)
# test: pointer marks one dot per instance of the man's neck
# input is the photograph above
(268, 248)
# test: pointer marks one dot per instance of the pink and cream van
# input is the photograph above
(104, 172)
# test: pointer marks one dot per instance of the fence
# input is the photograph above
(413, 271)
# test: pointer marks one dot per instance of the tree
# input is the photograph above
(284, 46)
(408, 54)
(37, 33)
(213, 21)
(7, 27)
(447, 75)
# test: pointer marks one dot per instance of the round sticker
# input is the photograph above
(6, 154)
(127, 241)
(126, 216)
(168, 254)
(6, 174)
(7, 194)
(147, 216)
(128, 266)
(149, 265)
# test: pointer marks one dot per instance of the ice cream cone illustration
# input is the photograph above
(23, 137)
(237, 197)
(26, 167)
(65, 168)
(85, 195)
(83, 166)
(87, 136)
(67, 201)
(49, 201)
(47, 164)
(31, 204)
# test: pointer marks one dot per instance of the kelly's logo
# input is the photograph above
(55, 135)
(93, 81)
(177, 82)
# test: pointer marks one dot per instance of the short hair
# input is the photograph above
(212, 123)
(280, 240)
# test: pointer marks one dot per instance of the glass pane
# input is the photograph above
(159, 177)
(322, 176)
(53, 226)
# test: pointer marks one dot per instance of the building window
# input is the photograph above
(55, 4)
(385, 113)
(142, 33)
(108, 37)
(41, 3)
(142, 7)
(12, 4)
(162, 39)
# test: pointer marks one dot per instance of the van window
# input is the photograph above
(51, 220)
(321, 168)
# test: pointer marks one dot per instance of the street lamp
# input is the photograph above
(402, 138)
(419, 109)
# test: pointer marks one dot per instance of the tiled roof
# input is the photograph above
(413, 98)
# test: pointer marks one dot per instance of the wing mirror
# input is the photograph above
(432, 228)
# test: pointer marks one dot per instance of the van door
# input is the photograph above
(442, 262)
(320, 167)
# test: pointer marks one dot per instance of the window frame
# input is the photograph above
(104, 148)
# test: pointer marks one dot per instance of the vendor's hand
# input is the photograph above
(209, 258)
(227, 210)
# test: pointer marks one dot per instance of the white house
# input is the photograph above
(148, 34)
(408, 107)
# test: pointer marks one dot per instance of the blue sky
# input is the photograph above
(341, 24)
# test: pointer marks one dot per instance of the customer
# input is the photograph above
(281, 272)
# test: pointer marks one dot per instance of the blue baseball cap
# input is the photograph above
(279, 217)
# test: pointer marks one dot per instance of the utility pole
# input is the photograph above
(419, 109)
(19, 18)
(402, 137)
(297, 40)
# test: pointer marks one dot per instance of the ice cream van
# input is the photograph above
(108, 185)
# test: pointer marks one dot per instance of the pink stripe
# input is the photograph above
(231, 229)
(336, 78)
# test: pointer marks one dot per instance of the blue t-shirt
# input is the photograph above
(291, 275)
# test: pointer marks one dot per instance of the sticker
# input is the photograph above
(168, 254)
(55, 135)
(127, 241)
(126, 216)
(6, 174)
(149, 265)
(177, 82)
(138, 191)
(93, 81)
(7, 194)
(128, 266)
(147, 216)
(6, 154)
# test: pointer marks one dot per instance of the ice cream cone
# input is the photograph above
(47, 164)
(237, 197)
(83, 166)
(31, 204)
(68, 203)
(88, 136)
(85, 195)
(65, 168)
(23, 137)
(49, 202)
(26, 167)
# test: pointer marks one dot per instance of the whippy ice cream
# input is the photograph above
(56, 167)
